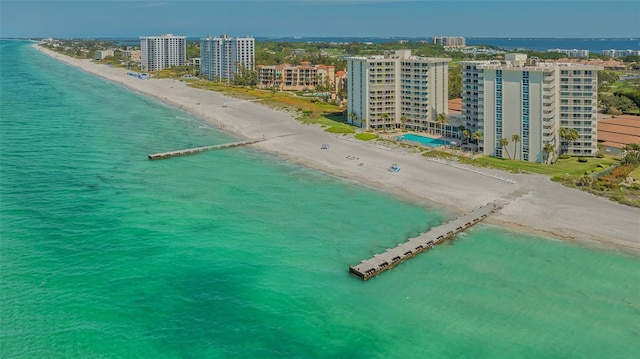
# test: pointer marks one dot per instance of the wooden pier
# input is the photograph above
(189, 151)
(394, 256)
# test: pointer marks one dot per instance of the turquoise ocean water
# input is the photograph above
(235, 254)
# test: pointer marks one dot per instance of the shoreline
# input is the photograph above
(542, 207)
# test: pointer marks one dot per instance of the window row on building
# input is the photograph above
(160, 52)
(221, 58)
(390, 102)
(525, 98)
(287, 77)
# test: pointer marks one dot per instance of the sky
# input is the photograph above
(313, 18)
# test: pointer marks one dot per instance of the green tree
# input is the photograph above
(460, 130)
(503, 143)
(442, 119)
(244, 76)
(466, 134)
(477, 136)
(384, 118)
(567, 137)
(617, 102)
(606, 78)
(573, 136)
(403, 121)
(631, 154)
(548, 150)
(515, 139)
(353, 117)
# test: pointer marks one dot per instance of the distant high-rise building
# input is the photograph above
(571, 52)
(450, 41)
(620, 53)
(532, 100)
(222, 57)
(160, 52)
(394, 90)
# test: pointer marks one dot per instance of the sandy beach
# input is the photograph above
(539, 205)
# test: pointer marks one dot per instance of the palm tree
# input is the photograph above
(477, 136)
(460, 130)
(466, 134)
(504, 142)
(572, 136)
(403, 121)
(363, 123)
(442, 119)
(515, 139)
(353, 117)
(548, 149)
(384, 118)
(567, 137)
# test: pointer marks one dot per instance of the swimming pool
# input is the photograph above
(433, 142)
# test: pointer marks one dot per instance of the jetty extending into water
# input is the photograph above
(394, 256)
(190, 151)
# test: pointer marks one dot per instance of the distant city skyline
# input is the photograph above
(312, 18)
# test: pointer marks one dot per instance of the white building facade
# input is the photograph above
(620, 53)
(450, 41)
(571, 52)
(102, 54)
(222, 57)
(161, 52)
(533, 101)
(394, 90)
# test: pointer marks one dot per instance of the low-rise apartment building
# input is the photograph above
(287, 77)
(102, 54)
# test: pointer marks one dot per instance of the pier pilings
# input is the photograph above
(425, 241)
(190, 151)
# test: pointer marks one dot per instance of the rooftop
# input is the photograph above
(619, 131)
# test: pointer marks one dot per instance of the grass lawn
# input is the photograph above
(635, 173)
(570, 165)
(562, 166)
(366, 136)
(313, 111)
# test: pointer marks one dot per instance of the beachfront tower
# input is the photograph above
(222, 57)
(533, 100)
(161, 52)
(450, 41)
(397, 90)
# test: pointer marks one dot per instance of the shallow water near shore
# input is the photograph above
(233, 253)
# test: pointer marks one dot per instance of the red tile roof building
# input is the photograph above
(616, 132)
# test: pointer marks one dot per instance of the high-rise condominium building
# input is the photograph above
(397, 90)
(222, 57)
(160, 52)
(533, 101)
(620, 53)
(449, 41)
(572, 52)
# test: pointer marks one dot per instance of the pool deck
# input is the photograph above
(428, 141)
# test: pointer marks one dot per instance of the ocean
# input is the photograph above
(237, 254)
(596, 45)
